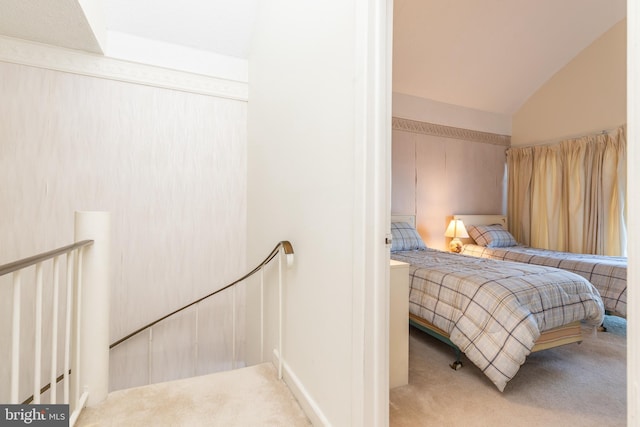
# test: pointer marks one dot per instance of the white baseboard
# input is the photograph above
(306, 402)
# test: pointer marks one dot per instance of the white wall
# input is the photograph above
(305, 168)
(168, 55)
(426, 110)
(586, 96)
(169, 165)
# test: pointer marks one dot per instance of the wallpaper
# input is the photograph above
(170, 167)
(440, 171)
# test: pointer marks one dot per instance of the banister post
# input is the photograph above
(94, 335)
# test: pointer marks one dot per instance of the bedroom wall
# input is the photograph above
(440, 170)
(169, 165)
(586, 96)
(426, 110)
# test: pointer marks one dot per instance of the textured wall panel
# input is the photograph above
(448, 173)
(170, 166)
(403, 164)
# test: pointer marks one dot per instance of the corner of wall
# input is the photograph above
(439, 113)
(39, 55)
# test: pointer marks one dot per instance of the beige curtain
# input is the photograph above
(570, 196)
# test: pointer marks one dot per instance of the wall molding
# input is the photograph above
(426, 128)
(309, 406)
(39, 55)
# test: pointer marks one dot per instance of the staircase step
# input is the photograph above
(243, 397)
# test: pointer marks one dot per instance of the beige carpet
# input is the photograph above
(574, 385)
(245, 397)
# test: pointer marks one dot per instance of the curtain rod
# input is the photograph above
(566, 138)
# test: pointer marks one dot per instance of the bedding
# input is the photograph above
(491, 236)
(608, 274)
(405, 237)
(494, 311)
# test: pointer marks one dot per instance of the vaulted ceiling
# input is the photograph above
(489, 55)
(220, 26)
(55, 22)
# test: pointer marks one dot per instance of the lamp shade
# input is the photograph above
(456, 228)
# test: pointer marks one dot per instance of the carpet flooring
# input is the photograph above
(574, 385)
(250, 396)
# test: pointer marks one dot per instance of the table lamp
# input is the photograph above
(456, 229)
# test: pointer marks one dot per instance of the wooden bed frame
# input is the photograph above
(567, 334)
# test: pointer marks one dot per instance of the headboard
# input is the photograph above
(410, 219)
(481, 220)
(467, 219)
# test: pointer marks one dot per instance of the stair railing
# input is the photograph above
(80, 348)
(284, 247)
(73, 253)
(81, 258)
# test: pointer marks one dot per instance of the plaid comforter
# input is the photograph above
(493, 310)
(608, 274)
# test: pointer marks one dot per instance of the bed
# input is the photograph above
(495, 312)
(607, 273)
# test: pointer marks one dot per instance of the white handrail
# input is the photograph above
(78, 330)
(85, 262)
(15, 338)
(38, 336)
(67, 329)
(53, 391)
(262, 314)
(75, 350)
(280, 357)
(94, 280)
(233, 328)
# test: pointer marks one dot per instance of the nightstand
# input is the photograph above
(398, 323)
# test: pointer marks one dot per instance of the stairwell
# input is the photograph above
(243, 397)
(249, 396)
(252, 396)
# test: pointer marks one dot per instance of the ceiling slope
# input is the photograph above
(55, 22)
(491, 55)
(488, 55)
(219, 26)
